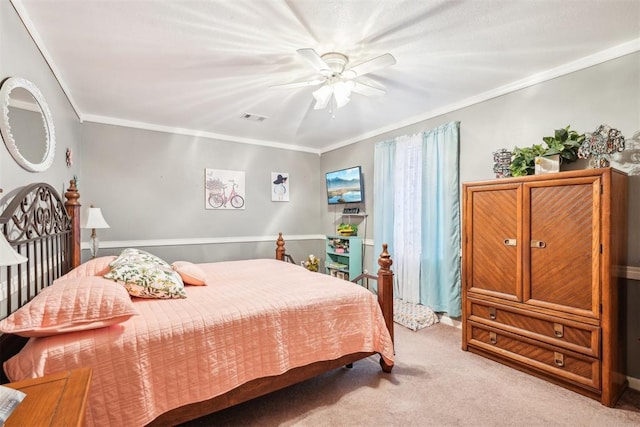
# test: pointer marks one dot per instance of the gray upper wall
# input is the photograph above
(150, 185)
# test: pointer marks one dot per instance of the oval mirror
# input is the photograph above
(26, 125)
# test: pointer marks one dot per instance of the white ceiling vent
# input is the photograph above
(253, 117)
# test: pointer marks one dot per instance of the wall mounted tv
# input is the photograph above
(345, 186)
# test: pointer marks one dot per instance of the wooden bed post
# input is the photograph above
(73, 210)
(280, 250)
(385, 288)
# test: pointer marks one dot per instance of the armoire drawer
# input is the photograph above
(574, 367)
(571, 335)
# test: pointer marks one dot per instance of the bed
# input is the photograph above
(257, 326)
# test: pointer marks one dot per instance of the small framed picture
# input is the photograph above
(279, 187)
(340, 275)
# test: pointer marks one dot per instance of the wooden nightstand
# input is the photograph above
(58, 399)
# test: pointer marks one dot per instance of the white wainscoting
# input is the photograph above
(199, 241)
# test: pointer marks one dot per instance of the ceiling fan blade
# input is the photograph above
(370, 66)
(314, 59)
(306, 83)
(367, 90)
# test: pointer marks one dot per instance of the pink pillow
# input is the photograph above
(75, 304)
(190, 273)
(94, 267)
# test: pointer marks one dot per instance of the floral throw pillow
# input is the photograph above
(143, 277)
(130, 255)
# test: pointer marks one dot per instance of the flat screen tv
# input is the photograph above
(345, 186)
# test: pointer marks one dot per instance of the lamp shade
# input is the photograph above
(8, 255)
(94, 219)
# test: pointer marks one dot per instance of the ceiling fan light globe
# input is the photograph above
(341, 101)
(342, 91)
(322, 96)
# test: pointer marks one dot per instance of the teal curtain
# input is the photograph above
(440, 260)
(439, 278)
(383, 190)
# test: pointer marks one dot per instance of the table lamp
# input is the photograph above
(94, 219)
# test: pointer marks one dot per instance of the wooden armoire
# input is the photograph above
(540, 267)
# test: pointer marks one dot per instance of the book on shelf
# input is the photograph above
(337, 265)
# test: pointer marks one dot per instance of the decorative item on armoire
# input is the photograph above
(547, 164)
(600, 145)
(564, 142)
(501, 163)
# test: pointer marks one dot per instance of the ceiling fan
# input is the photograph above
(337, 80)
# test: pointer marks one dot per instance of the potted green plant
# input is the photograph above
(564, 143)
(347, 229)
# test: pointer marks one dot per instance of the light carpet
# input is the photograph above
(434, 383)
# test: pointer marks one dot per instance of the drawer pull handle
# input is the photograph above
(510, 242)
(558, 359)
(492, 313)
(538, 244)
(493, 338)
(558, 330)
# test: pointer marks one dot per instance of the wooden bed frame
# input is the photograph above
(46, 229)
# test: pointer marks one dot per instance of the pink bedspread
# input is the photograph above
(256, 318)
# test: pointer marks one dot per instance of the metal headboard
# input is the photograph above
(39, 225)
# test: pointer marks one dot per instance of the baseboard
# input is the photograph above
(630, 272)
(634, 383)
(446, 320)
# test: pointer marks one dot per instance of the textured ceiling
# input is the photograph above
(196, 67)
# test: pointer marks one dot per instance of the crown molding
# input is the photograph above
(193, 132)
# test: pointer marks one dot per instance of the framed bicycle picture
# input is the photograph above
(224, 189)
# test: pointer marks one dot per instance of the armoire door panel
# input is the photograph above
(563, 237)
(495, 250)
